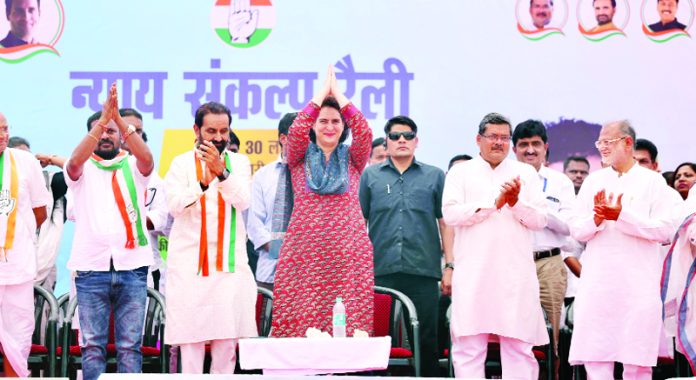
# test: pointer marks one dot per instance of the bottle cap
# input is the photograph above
(339, 299)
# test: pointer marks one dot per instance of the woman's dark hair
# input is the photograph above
(331, 102)
(689, 164)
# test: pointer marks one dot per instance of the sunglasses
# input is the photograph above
(395, 136)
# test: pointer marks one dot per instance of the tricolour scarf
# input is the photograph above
(226, 230)
(127, 202)
(327, 177)
(9, 197)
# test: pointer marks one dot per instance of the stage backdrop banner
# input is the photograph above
(445, 64)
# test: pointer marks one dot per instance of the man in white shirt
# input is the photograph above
(494, 203)
(23, 199)
(577, 168)
(530, 146)
(270, 209)
(211, 291)
(110, 252)
(622, 215)
(50, 232)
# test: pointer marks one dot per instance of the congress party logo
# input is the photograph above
(29, 28)
(599, 20)
(538, 19)
(243, 23)
(665, 20)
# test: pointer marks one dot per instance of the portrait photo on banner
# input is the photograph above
(27, 23)
(665, 16)
(538, 17)
(601, 19)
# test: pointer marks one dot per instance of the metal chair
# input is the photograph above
(44, 341)
(155, 352)
(264, 311)
(395, 312)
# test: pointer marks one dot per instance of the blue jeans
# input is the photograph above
(98, 293)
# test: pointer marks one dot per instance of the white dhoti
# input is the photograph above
(17, 324)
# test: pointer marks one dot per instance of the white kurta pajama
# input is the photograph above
(494, 285)
(18, 271)
(220, 306)
(617, 306)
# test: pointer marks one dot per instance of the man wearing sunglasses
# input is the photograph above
(493, 203)
(401, 200)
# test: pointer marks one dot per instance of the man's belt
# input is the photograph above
(544, 254)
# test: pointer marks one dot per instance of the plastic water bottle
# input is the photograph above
(339, 319)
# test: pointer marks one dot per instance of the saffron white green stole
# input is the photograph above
(126, 196)
(226, 229)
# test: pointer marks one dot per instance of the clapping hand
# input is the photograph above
(509, 193)
(242, 21)
(604, 208)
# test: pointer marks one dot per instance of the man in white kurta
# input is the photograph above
(622, 215)
(493, 203)
(207, 302)
(27, 206)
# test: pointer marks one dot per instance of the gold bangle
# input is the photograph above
(92, 136)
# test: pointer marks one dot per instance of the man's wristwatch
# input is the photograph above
(449, 265)
(224, 175)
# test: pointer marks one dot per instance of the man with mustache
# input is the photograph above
(211, 290)
(622, 215)
(401, 200)
(604, 13)
(531, 145)
(23, 16)
(23, 199)
(541, 12)
(667, 10)
(494, 203)
(110, 251)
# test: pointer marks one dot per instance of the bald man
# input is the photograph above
(23, 199)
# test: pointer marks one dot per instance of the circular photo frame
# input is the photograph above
(30, 28)
(539, 19)
(599, 20)
(665, 20)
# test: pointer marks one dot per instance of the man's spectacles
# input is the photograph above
(607, 142)
(395, 136)
(494, 138)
